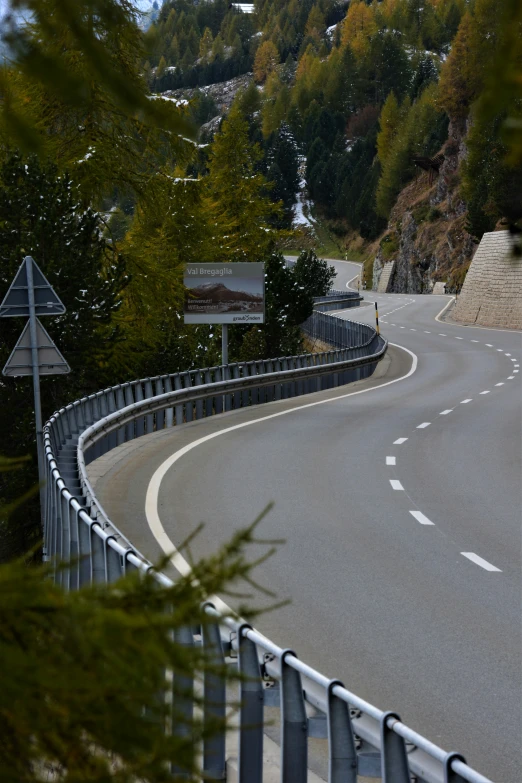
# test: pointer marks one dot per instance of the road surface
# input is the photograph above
(401, 508)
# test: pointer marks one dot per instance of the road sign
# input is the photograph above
(50, 360)
(225, 293)
(16, 301)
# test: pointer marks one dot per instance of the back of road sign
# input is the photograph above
(16, 301)
(50, 360)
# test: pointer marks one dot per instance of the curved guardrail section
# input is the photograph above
(362, 740)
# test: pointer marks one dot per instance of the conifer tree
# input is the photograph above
(266, 60)
(205, 45)
(389, 121)
(459, 78)
(239, 210)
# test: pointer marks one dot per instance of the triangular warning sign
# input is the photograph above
(16, 301)
(50, 360)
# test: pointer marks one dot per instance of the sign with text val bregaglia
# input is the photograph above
(224, 293)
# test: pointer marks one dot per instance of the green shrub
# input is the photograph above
(389, 245)
(434, 214)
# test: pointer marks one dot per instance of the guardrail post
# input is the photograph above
(250, 759)
(113, 562)
(199, 403)
(182, 700)
(218, 399)
(395, 767)
(169, 412)
(149, 418)
(342, 756)
(160, 415)
(209, 404)
(84, 563)
(227, 398)
(179, 408)
(97, 557)
(129, 399)
(294, 725)
(214, 696)
(189, 410)
(449, 775)
(140, 420)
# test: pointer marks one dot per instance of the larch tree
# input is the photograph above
(239, 210)
(389, 121)
(458, 86)
(266, 60)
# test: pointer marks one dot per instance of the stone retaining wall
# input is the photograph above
(492, 291)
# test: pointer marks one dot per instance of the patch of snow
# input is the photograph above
(330, 30)
(90, 152)
(300, 217)
(162, 97)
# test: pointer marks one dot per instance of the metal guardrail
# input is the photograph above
(362, 740)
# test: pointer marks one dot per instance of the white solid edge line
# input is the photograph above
(419, 516)
(471, 326)
(480, 561)
(390, 461)
(399, 441)
(153, 489)
(396, 484)
(451, 299)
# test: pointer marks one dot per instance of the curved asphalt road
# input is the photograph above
(401, 509)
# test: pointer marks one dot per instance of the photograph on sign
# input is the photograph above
(224, 293)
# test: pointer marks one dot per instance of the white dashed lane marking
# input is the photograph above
(480, 561)
(391, 461)
(419, 516)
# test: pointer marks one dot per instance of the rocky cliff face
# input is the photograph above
(222, 92)
(426, 234)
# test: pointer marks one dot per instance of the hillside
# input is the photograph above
(362, 91)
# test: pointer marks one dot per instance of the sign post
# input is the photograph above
(36, 380)
(224, 294)
(35, 353)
